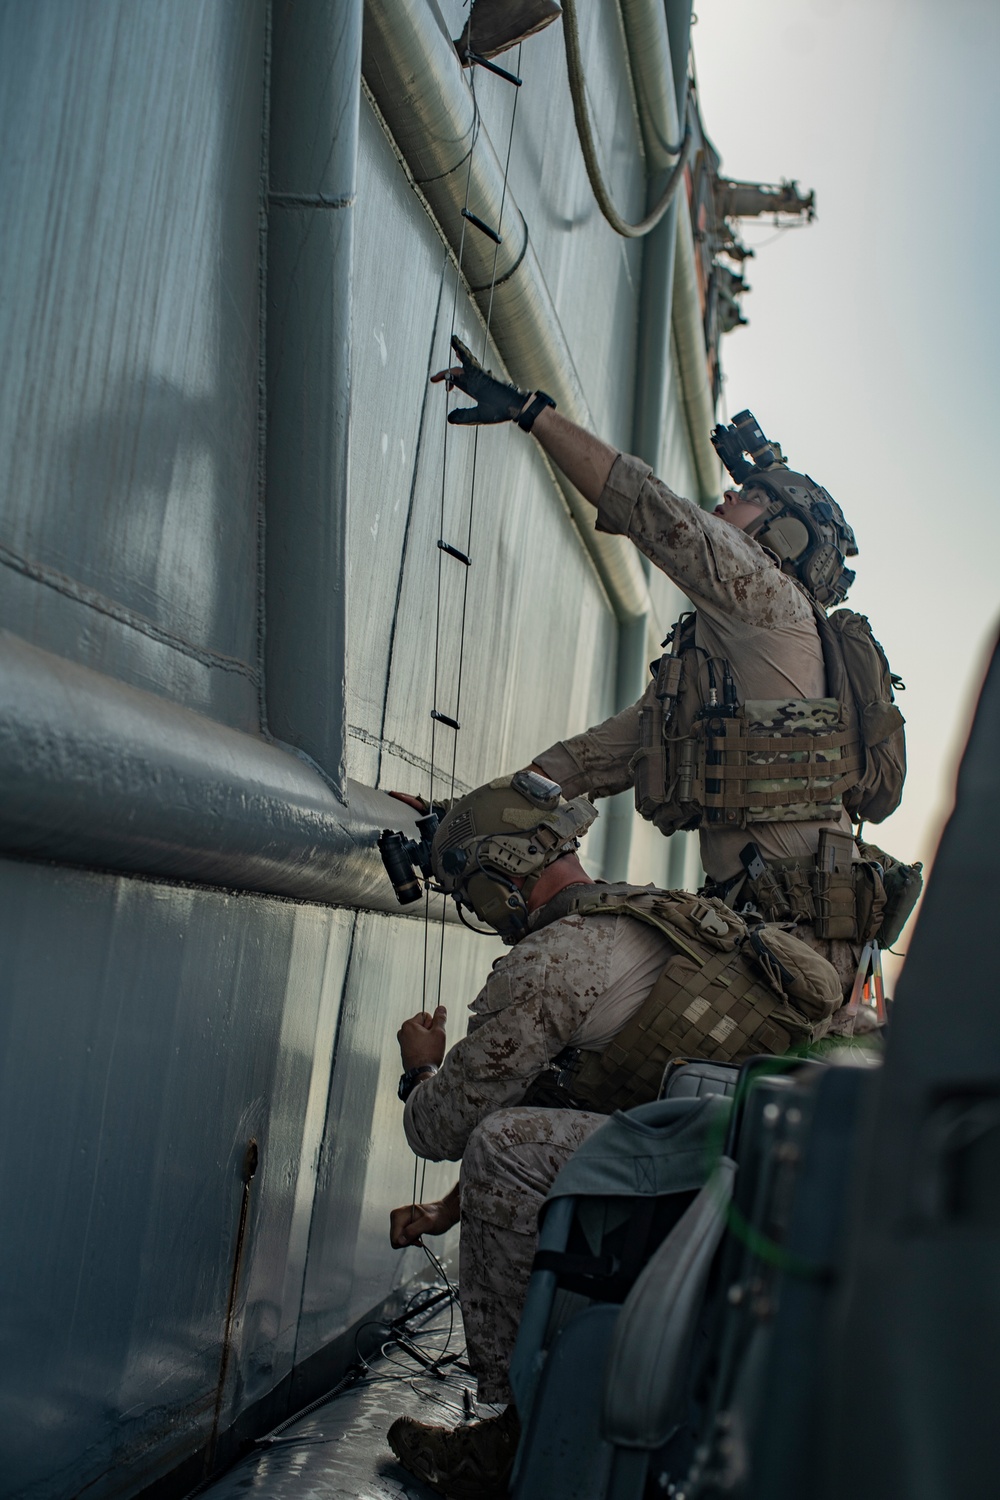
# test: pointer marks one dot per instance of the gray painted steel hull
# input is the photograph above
(224, 481)
(149, 1033)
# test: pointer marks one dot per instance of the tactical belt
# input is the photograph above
(836, 896)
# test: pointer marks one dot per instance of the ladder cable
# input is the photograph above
(443, 548)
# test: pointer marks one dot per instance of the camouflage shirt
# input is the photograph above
(573, 983)
(748, 613)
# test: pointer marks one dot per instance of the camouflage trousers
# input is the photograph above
(508, 1166)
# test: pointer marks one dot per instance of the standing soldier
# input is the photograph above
(766, 725)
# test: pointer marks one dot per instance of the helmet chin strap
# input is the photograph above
(530, 881)
(752, 527)
(769, 514)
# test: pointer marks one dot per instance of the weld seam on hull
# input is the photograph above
(60, 583)
(310, 200)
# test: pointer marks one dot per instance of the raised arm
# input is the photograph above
(584, 459)
(715, 563)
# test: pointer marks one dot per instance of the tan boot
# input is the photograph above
(464, 1463)
(495, 25)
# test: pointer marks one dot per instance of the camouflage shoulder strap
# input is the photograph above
(678, 915)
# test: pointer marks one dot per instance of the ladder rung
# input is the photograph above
(454, 552)
(490, 234)
(484, 62)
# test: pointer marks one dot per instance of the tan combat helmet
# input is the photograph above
(508, 830)
(802, 523)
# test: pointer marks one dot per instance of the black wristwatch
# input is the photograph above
(412, 1077)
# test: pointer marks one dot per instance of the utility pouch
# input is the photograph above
(687, 775)
(780, 892)
(798, 884)
(668, 680)
(869, 899)
(902, 886)
(769, 896)
(835, 890)
(649, 763)
(804, 978)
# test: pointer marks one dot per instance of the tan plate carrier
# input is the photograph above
(725, 994)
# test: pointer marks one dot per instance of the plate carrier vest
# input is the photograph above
(726, 993)
(704, 757)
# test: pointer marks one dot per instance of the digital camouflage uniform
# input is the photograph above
(750, 614)
(574, 982)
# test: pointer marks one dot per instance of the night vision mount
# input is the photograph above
(803, 526)
(404, 857)
(742, 437)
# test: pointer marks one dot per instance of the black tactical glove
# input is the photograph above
(496, 401)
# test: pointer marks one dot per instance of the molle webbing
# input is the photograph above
(739, 762)
(709, 1001)
(719, 1010)
(760, 761)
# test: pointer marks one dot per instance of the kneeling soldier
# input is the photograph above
(604, 985)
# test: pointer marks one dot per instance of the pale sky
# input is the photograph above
(870, 353)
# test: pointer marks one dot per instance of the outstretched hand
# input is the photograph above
(496, 400)
(423, 1039)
